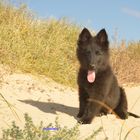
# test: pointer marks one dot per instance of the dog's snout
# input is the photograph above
(92, 66)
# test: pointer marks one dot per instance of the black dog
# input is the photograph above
(99, 91)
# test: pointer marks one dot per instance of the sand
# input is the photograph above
(44, 100)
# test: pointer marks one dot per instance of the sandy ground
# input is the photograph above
(43, 99)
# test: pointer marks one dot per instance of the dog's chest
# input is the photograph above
(92, 88)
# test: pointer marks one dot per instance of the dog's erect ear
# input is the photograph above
(84, 35)
(102, 36)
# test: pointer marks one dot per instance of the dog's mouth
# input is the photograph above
(91, 76)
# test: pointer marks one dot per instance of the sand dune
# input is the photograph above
(43, 99)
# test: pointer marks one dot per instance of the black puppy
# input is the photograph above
(98, 87)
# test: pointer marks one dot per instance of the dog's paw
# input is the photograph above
(85, 121)
(123, 115)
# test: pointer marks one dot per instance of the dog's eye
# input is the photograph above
(98, 52)
(87, 52)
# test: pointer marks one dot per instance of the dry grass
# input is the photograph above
(48, 47)
(41, 47)
(125, 63)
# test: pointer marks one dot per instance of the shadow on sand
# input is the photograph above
(50, 107)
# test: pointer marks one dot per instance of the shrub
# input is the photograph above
(33, 132)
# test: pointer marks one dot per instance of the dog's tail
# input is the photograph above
(133, 115)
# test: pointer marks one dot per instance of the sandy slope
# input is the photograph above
(43, 100)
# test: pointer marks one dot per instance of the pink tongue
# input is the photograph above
(91, 76)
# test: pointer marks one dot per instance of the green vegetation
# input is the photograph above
(47, 47)
(33, 132)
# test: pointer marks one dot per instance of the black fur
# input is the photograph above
(93, 55)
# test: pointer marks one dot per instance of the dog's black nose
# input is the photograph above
(92, 66)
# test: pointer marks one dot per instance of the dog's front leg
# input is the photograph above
(93, 108)
(83, 96)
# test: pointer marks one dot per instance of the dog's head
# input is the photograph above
(92, 52)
